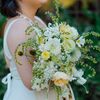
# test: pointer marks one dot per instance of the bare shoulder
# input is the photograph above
(16, 33)
(17, 27)
(17, 21)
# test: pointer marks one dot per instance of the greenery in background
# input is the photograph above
(85, 16)
(3, 70)
(2, 21)
(91, 61)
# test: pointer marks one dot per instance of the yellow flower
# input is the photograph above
(60, 82)
(40, 40)
(60, 79)
(45, 55)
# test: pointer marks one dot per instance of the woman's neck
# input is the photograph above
(30, 12)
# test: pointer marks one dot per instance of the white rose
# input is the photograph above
(68, 45)
(75, 33)
(53, 45)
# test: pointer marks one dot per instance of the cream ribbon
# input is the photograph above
(7, 80)
(73, 98)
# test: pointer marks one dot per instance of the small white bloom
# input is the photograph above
(52, 31)
(44, 85)
(36, 84)
(49, 71)
(78, 75)
(41, 47)
(48, 33)
(80, 42)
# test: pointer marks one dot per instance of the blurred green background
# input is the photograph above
(82, 14)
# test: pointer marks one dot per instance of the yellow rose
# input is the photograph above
(68, 45)
(68, 31)
(45, 55)
(60, 82)
(60, 79)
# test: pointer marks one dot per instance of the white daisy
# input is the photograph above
(80, 42)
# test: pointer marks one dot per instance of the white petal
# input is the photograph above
(81, 80)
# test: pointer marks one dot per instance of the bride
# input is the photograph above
(21, 14)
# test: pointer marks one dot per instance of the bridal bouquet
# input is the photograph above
(57, 49)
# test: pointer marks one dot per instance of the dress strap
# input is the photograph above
(5, 45)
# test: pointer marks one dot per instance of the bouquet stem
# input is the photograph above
(58, 97)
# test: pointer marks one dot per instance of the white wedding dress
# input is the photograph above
(16, 90)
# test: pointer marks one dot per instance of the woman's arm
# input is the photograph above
(17, 36)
